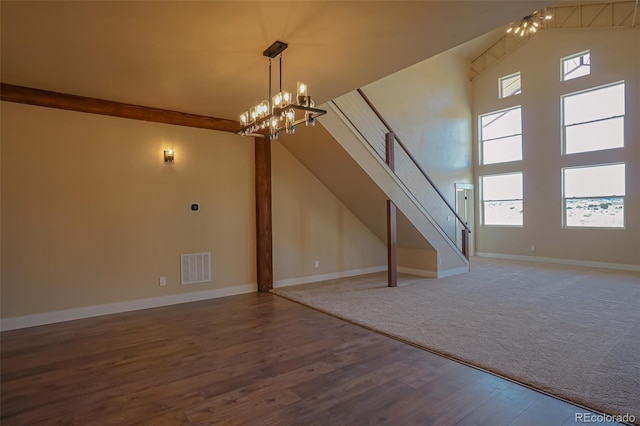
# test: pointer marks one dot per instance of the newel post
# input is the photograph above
(465, 243)
(392, 274)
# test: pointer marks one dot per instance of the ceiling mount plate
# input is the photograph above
(275, 49)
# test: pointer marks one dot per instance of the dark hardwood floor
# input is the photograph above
(250, 359)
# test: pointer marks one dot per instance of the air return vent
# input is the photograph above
(195, 268)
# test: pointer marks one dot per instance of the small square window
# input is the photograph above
(575, 66)
(509, 85)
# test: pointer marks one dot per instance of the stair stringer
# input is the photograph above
(451, 260)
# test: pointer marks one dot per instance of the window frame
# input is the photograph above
(481, 156)
(563, 76)
(592, 197)
(483, 201)
(563, 126)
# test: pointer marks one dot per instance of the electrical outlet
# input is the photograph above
(316, 263)
(532, 248)
(163, 281)
(439, 260)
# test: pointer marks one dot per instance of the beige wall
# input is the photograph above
(429, 107)
(417, 259)
(310, 223)
(91, 215)
(615, 56)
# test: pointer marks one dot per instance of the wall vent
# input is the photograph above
(195, 268)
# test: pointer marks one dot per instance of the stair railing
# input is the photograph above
(364, 117)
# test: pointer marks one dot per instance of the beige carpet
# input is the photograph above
(573, 332)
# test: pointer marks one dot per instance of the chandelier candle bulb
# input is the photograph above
(281, 100)
(277, 101)
(309, 119)
(263, 109)
(303, 94)
(290, 118)
(302, 89)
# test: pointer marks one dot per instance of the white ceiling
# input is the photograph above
(206, 57)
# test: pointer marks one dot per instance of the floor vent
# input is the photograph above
(195, 268)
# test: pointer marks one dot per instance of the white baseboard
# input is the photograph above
(431, 274)
(418, 272)
(114, 308)
(452, 272)
(330, 276)
(619, 266)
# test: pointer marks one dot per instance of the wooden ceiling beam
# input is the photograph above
(45, 98)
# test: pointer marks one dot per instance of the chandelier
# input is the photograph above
(529, 24)
(282, 111)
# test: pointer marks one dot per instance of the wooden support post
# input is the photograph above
(392, 274)
(264, 248)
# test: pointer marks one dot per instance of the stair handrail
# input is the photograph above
(411, 157)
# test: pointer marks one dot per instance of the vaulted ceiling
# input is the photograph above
(206, 57)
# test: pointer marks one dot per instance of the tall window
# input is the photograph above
(594, 119)
(501, 136)
(509, 85)
(502, 199)
(575, 66)
(594, 196)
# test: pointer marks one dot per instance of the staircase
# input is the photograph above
(350, 146)
(364, 134)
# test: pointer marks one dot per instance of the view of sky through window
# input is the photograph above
(501, 136)
(594, 119)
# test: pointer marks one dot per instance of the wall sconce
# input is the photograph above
(168, 156)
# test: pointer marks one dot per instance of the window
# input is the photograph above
(594, 196)
(593, 120)
(575, 66)
(502, 199)
(509, 85)
(501, 136)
